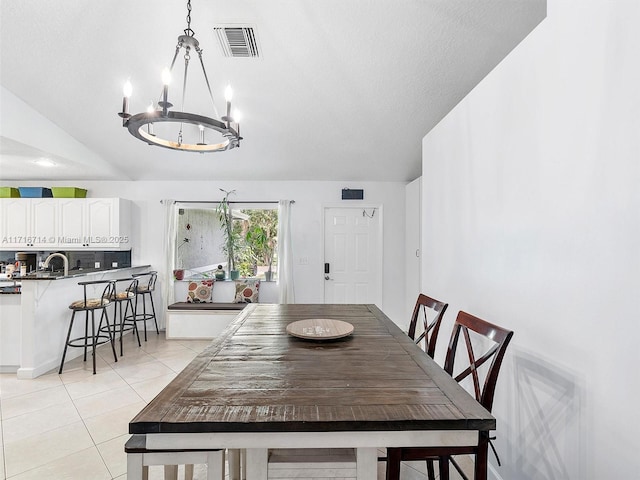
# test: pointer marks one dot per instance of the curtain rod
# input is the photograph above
(218, 201)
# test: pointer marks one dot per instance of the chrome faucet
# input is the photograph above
(64, 258)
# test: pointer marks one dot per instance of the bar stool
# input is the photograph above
(118, 298)
(146, 286)
(96, 337)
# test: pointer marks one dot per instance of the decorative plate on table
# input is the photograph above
(320, 329)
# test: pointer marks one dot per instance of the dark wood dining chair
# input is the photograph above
(479, 335)
(427, 315)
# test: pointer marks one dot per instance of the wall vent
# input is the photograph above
(237, 41)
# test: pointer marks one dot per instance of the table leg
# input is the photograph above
(134, 466)
(234, 464)
(215, 465)
(366, 463)
(243, 465)
(257, 463)
(482, 457)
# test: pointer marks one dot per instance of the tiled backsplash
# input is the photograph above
(94, 259)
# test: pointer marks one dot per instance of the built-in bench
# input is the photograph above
(200, 320)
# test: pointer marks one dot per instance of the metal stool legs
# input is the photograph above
(123, 319)
(95, 338)
(146, 285)
(144, 316)
(127, 320)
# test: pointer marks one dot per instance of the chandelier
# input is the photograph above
(180, 130)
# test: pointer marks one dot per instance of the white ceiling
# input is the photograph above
(344, 89)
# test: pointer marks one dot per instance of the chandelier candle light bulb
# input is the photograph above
(126, 93)
(228, 96)
(237, 116)
(150, 110)
(127, 90)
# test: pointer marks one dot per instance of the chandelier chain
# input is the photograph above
(188, 30)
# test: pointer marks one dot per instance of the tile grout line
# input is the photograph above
(39, 466)
(85, 424)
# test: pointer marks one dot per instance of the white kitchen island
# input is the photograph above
(45, 316)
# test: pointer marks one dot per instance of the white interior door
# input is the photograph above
(352, 255)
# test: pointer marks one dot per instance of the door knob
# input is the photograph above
(327, 277)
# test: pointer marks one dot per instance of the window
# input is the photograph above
(201, 242)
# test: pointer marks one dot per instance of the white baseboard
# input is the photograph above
(35, 372)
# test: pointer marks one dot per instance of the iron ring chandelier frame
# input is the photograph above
(136, 125)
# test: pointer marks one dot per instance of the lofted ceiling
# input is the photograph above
(342, 90)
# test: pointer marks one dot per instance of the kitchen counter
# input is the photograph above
(12, 287)
(44, 275)
(13, 290)
(9, 287)
(34, 324)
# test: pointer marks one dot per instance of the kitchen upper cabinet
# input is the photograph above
(72, 224)
(95, 223)
(44, 221)
(65, 224)
(108, 223)
(28, 223)
(15, 223)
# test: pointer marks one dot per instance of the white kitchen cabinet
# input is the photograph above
(72, 223)
(108, 223)
(65, 224)
(28, 223)
(16, 215)
(44, 222)
(95, 223)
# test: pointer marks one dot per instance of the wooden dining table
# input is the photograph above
(256, 387)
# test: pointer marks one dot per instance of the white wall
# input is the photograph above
(307, 218)
(531, 220)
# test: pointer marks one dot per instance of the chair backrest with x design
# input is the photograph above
(427, 316)
(493, 352)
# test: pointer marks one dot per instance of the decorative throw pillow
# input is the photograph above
(200, 292)
(247, 291)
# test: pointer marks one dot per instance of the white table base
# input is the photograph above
(257, 447)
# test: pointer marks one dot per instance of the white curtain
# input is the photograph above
(169, 249)
(285, 253)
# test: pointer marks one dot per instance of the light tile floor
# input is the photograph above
(74, 425)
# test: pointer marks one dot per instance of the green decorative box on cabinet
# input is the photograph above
(9, 192)
(68, 192)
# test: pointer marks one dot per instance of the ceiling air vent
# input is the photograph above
(237, 41)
